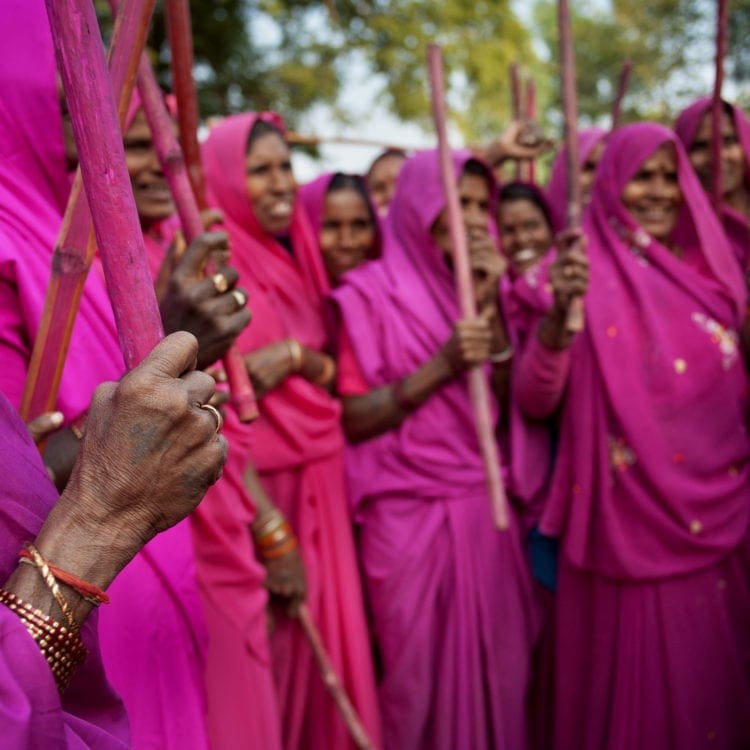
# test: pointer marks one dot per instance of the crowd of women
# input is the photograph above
(613, 613)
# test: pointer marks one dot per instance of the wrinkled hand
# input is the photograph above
(285, 580)
(569, 272)
(470, 342)
(149, 453)
(268, 366)
(191, 302)
(487, 265)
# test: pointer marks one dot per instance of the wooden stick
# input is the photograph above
(515, 102)
(297, 139)
(575, 320)
(179, 31)
(332, 682)
(183, 170)
(76, 245)
(86, 83)
(622, 87)
(480, 396)
(717, 140)
(531, 114)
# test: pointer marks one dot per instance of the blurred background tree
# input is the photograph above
(295, 55)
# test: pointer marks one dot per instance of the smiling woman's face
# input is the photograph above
(270, 183)
(653, 196)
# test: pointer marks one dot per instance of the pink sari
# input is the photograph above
(735, 224)
(450, 597)
(297, 448)
(650, 493)
(155, 663)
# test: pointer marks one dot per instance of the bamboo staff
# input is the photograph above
(182, 166)
(531, 113)
(76, 245)
(87, 87)
(294, 138)
(332, 682)
(515, 102)
(622, 87)
(179, 32)
(575, 320)
(480, 397)
(722, 21)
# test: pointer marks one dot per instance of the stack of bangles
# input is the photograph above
(60, 645)
(274, 537)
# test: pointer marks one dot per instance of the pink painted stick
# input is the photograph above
(179, 31)
(80, 60)
(722, 21)
(480, 396)
(515, 101)
(622, 87)
(75, 247)
(575, 320)
(531, 114)
(333, 683)
(183, 190)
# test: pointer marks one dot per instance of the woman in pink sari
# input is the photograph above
(152, 634)
(693, 127)
(296, 445)
(650, 495)
(450, 596)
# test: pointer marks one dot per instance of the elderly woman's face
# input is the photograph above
(474, 194)
(153, 198)
(653, 196)
(347, 232)
(524, 232)
(381, 181)
(732, 156)
(270, 183)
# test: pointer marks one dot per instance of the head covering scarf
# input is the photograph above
(313, 198)
(557, 189)
(34, 189)
(398, 312)
(652, 474)
(686, 126)
(299, 421)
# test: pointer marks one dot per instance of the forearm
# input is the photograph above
(385, 408)
(542, 377)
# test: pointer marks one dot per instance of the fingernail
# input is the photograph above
(56, 418)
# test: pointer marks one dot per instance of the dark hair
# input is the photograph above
(522, 191)
(259, 129)
(387, 154)
(476, 168)
(343, 181)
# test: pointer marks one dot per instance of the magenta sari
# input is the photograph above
(735, 224)
(651, 488)
(155, 663)
(297, 448)
(449, 596)
(32, 712)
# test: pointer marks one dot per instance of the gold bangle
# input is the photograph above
(295, 351)
(61, 647)
(327, 373)
(48, 577)
(270, 521)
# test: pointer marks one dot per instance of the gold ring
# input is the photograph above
(216, 413)
(239, 297)
(220, 283)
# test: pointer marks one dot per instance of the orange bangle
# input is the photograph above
(280, 550)
(272, 538)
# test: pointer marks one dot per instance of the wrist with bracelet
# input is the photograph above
(295, 354)
(274, 536)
